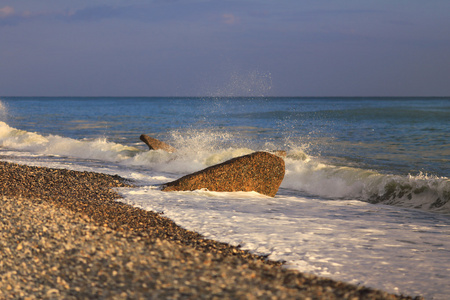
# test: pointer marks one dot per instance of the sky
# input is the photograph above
(225, 48)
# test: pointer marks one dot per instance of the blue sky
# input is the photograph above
(224, 48)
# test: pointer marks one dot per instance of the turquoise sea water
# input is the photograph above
(367, 179)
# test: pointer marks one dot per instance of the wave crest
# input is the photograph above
(421, 191)
(316, 178)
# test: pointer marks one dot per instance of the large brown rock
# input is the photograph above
(154, 144)
(261, 172)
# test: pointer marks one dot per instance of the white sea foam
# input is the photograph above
(317, 178)
(306, 174)
(344, 239)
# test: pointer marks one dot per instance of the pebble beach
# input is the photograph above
(63, 235)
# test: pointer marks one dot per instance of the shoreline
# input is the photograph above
(158, 258)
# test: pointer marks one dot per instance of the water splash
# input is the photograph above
(252, 83)
(3, 111)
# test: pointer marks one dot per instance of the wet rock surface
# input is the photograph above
(261, 172)
(154, 144)
(63, 236)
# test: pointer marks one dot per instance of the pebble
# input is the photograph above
(63, 236)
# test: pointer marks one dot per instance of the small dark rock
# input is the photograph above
(154, 144)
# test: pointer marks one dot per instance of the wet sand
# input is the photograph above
(63, 235)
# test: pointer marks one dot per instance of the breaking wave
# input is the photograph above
(304, 174)
(422, 191)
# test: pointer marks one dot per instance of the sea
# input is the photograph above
(365, 198)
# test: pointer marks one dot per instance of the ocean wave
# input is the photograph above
(197, 150)
(421, 191)
(317, 178)
(100, 149)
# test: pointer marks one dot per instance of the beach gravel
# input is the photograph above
(63, 236)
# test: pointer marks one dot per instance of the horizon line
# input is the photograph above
(59, 96)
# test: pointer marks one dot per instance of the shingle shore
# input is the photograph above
(63, 236)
